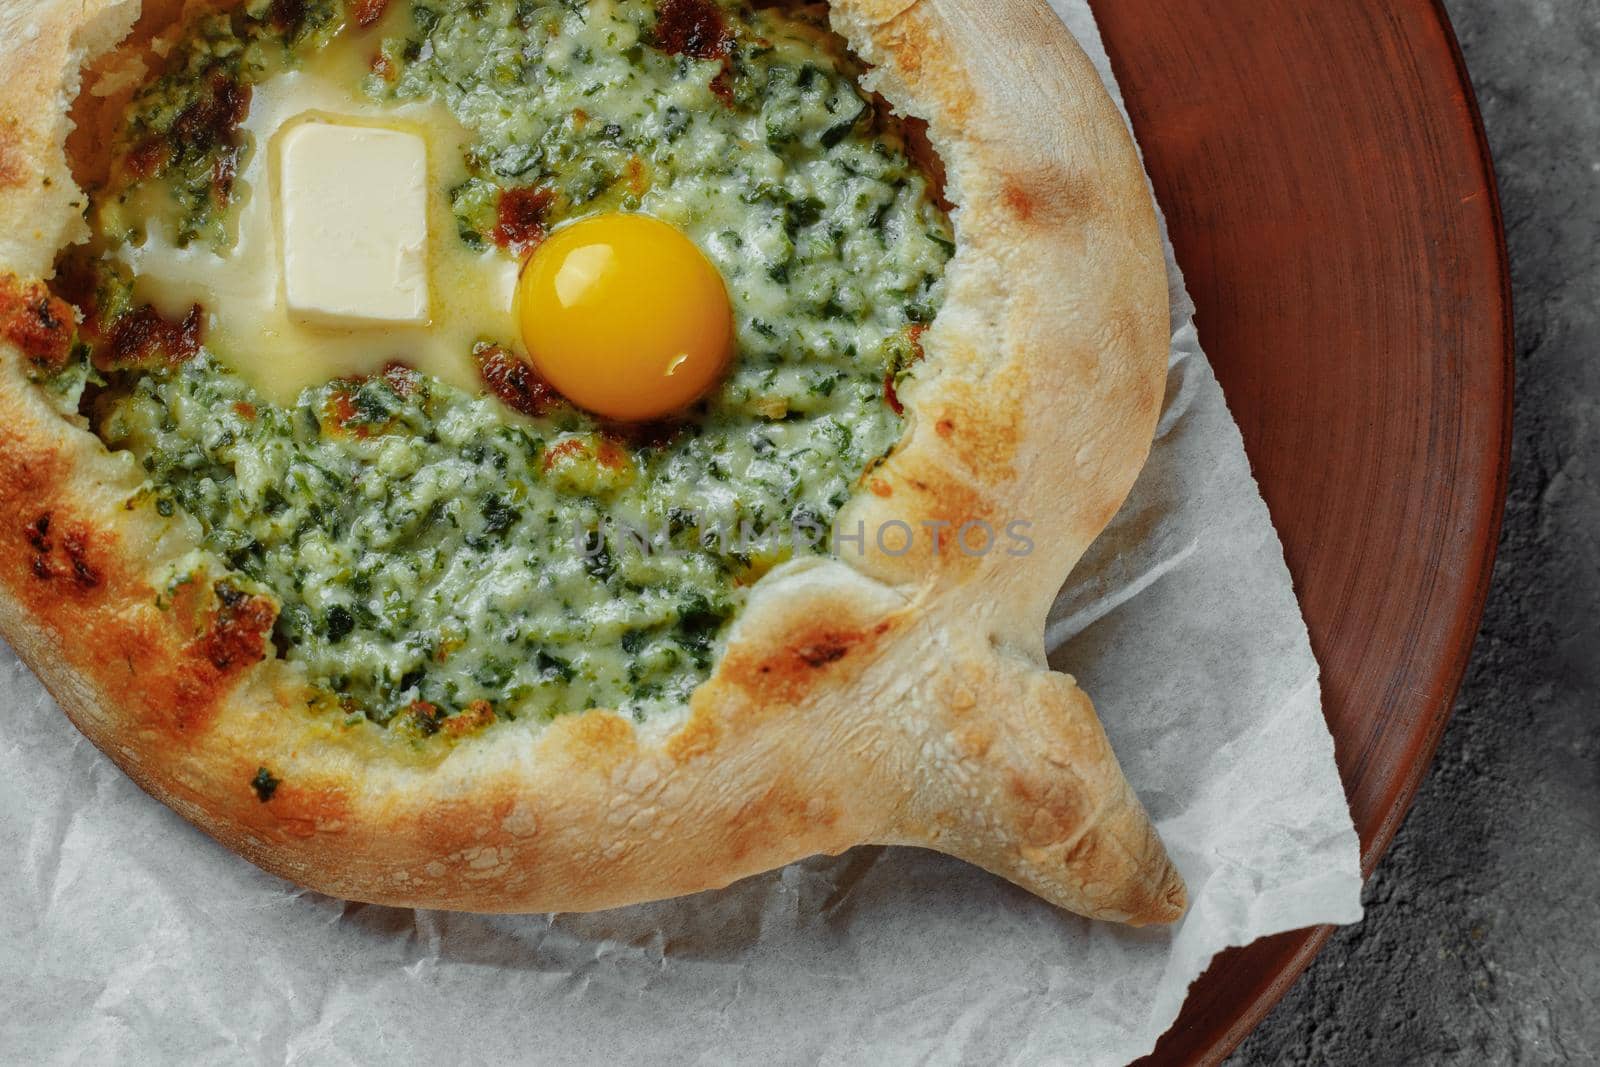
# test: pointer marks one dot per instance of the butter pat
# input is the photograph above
(353, 201)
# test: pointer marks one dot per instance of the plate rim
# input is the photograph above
(1203, 1034)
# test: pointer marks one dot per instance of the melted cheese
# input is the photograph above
(432, 558)
(250, 324)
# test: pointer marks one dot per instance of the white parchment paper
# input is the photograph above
(126, 934)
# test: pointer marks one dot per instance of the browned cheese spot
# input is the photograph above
(515, 381)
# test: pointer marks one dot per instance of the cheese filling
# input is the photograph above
(448, 543)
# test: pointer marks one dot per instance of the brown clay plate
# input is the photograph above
(1331, 198)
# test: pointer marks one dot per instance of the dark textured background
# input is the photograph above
(1482, 937)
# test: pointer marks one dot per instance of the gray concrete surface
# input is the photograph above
(1482, 937)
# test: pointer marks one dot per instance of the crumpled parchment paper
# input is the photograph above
(127, 935)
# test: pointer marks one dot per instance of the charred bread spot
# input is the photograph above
(40, 540)
(184, 685)
(71, 562)
(75, 543)
(264, 784)
(174, 681)
(817, 651)
(38, 324)
(824, 652)
(37, 533)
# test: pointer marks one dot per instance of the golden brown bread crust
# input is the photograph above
(888, 699)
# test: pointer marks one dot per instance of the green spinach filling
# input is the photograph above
(429, 549)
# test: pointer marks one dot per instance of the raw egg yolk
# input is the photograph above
(624, 316)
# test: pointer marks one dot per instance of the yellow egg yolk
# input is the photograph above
(624, 316)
